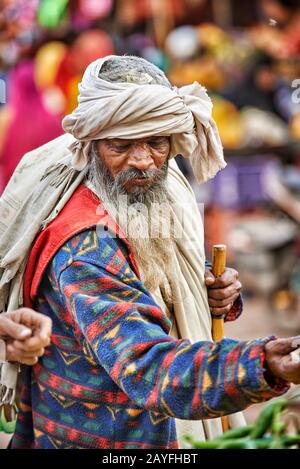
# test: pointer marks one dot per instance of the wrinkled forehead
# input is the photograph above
(154, 137)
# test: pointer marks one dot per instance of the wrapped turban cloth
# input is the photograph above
(132, 111)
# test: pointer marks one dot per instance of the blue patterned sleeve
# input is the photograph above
(130, 337)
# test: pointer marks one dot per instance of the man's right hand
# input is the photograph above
(26, 333)
(279, 361)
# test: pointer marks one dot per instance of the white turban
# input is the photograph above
(133, 111)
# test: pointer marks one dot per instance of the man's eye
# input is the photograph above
(122, 148)
(156, 143)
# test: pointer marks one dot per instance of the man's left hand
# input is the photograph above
(222, 291)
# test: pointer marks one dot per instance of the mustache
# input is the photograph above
(112, 188)
(157, 175)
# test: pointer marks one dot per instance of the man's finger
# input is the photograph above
(21, 347)
(296, 342)
(41, 324)
(221, 311)
(12, 355)
(25, 355)
(31, 344)
(223, 293)
(26, 361)
(224, 302)
(11, 329)
(209, 277)
(29, 361)
(227, 278)
(45, 328)
(283, 346)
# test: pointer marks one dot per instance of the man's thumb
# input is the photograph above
(23, 332)
(14, 330)
(209, 278)
(286, 346)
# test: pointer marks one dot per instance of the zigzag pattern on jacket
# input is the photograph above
(113, 377)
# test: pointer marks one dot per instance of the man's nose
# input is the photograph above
(141, 158)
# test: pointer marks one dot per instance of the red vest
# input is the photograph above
(81, 212)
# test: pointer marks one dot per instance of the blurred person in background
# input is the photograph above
(284, 12)
(278, 32)
(259, 87)
(87, 47)
(24, 116)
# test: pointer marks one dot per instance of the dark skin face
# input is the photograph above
(143, 154)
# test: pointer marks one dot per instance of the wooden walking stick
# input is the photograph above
(218, 268)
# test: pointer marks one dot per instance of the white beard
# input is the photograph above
(147, 227)
(152, 244)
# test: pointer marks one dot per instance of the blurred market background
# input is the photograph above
(247, 55)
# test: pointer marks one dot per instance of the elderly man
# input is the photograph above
(118, 266)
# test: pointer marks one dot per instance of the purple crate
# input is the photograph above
(240, 184)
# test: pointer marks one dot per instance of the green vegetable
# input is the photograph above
(291, 440)
(246, 443)
(277, 443)
(236, 433)
(268, 432)
(265, 419)
(6, 426)
(209, 444)
(234, 444)
(278, 426)
(260, 443)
